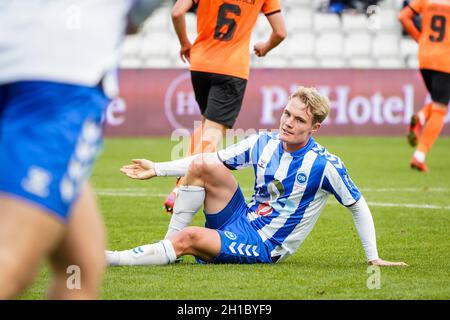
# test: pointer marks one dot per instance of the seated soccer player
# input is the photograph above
(293, 178)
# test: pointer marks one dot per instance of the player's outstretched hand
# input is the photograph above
(141, 169)
(380, 262)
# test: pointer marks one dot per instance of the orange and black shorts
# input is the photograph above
(438, 85)
(219, 96)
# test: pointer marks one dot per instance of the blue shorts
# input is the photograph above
(50, 135)
(240, 241)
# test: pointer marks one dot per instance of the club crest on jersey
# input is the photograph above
(230, 235)
(301, 178)
(264, 209)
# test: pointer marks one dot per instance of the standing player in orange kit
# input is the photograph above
(434, 58)
(219, 62)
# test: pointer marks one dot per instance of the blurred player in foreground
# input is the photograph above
(293, 178)
(219, 62)
(54, 60)
(434, 59)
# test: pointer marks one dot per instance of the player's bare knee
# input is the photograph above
(210, 166)
(185, 240)
(203, 168)
(195, 169)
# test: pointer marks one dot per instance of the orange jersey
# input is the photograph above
(434, 42)
(224, 29)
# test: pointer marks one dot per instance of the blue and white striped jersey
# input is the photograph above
(291, 189)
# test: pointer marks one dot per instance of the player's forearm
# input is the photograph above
(179, 24)
(178, 13)
(176, 168)
(179, 167)
(365, 227)
(279, 32)
(409, 27)
(274, 40)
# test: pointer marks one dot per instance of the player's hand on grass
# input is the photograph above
(141, 169)
(380, 262)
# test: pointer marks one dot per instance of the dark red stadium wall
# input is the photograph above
(364, 102)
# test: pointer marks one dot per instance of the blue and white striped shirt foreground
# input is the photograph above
(291, 189)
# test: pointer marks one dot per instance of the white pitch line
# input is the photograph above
(129, 192)
(103, 193)
(144, 191)
(409, 205)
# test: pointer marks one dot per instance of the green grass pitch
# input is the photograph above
(411, 211)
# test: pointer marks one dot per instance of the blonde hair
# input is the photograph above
(317, 104)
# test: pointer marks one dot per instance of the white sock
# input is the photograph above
(189, 200)
(150, 254)
(420, 156)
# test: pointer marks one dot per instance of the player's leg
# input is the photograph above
(80, 253)
(223, 103)
(419, 119)
(220, 99)
(196, 145)
(209, 183)
(27, 235)
(197, 241)
(209, 138)
(440, 94)
(28, 228)
(48, 164)
(212, 135)
(201, 84)
(203, 243)
(209, 172)
(227, 238)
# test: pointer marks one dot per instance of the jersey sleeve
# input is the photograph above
(337, 182)
(416, 6)
(270, 7)
(238, 155)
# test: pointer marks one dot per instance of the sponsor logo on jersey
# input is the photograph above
(264, 209)
(230, 235)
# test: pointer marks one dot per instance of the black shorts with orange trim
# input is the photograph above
(438, 85)
(219, 96)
